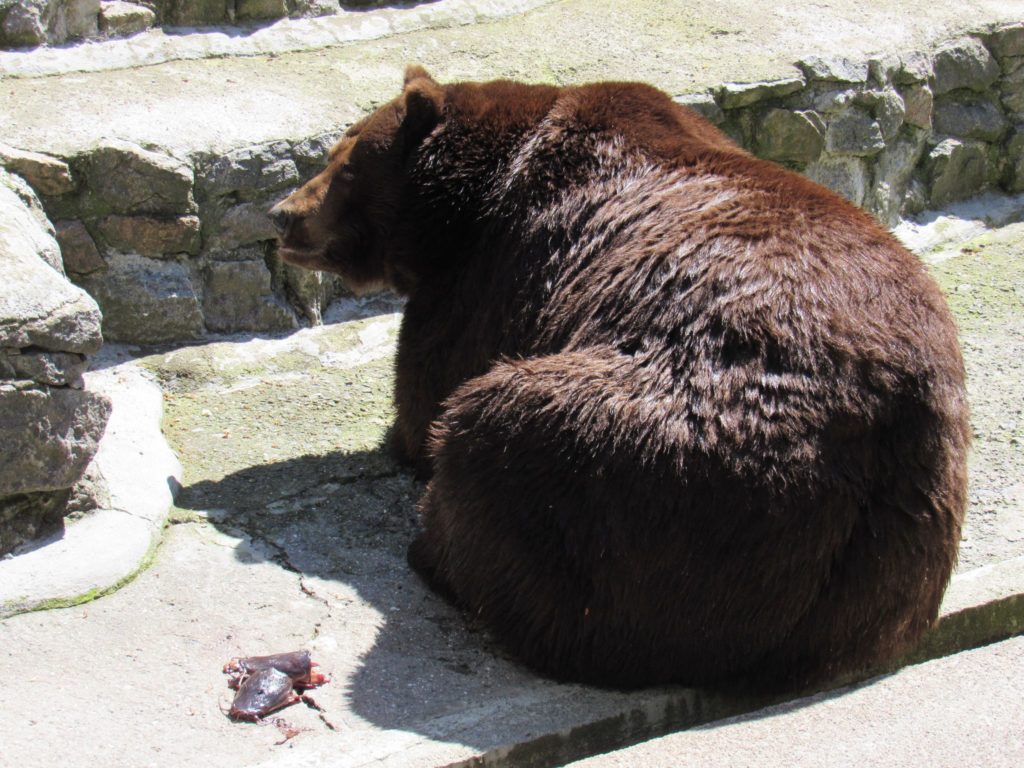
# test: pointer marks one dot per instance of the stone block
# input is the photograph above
(200, 12)
(26, 223)
(791, 137)
(703, 104)
(956, 170)
(315, 7)
(250, 172)
(28, 516)
(54, 369)
(38, 306)
(964, 64)
(47, 175)
(148, 236)
(81, 20)
(50, 435)
(1008, 41)
(833, 69)
(854, 133)
(913, 67)
(24, 25)
(238, 297)
(1011, 86)
(893, 171)
(972, 118)
(736, 95)
(918, 102)
(256, 10)
(1014, 178)
(119, 19)
(127, 179)
(145, 301)
(847, 176)
(78, 248)
(242, 224)
(888, 109)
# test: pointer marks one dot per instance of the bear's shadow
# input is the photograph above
(347, 519)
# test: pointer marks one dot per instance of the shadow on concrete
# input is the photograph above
(348, 518)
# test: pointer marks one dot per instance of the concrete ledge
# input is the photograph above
(138, 476)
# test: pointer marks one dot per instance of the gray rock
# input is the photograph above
(793, 137)
(956, 170)
(198, 12)
(974, 118)
(703, 104)
(310, 154)
(50, 435)
(918, 101)
(35, 22)
(24, 25)
(246, 10)
(125, 178)
(28, 516)
(913, 67)
(847, 176)
(827, 100)
(148, 236)
(38, 306)
(1011, 86)
(54, 369)
(894, 169)
(834, 70)
(242, 224)
(47, 175)
(145, 301)
(316, 7)
(888, 109)
(28, 219)
(1014, 180)
(81, 19)
(250, 172)
(118, 19)
(854, 133)
(310, 291)
(78, 248)
(1008, 41)
(736, 95)
(239, 297)
(964, 63)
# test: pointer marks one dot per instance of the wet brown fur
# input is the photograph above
(687, 416)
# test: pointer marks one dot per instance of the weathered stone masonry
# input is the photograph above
(175, 248)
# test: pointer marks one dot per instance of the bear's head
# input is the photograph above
(349, 218)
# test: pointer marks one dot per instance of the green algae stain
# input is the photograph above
(984, 284)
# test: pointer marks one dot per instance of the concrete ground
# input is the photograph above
(291, 526)
(963, 710)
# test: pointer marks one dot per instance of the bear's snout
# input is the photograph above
(281, 217)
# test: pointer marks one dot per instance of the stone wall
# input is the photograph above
(174, 248)
(895, 135)
(30, 23)
(51, 426)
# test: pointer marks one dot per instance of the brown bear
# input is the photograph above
(687, 416)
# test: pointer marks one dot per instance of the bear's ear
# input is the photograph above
(415, 72)
(423, 99)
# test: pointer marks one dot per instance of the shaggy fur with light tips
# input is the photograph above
(686, 416)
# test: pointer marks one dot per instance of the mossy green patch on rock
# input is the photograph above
(232, 406)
